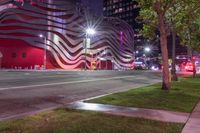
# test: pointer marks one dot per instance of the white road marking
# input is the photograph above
(62, 83)
(12, 77)
(26, 73)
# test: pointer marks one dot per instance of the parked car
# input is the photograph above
(189, 67)
(139, 65)
(155, 67)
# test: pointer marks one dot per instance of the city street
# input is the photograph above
(27, 92)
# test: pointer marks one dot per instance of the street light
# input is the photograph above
(88, 32)
(45, 49)
(147, 49)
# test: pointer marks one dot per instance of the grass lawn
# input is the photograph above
(72, 121)
(183, 96)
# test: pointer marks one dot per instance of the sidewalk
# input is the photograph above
(192, 120)
(160, 115)
(193, 124)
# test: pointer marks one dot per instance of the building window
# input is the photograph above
(120, 10)
(14, 55)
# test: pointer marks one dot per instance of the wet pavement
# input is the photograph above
(192, 120)
(153, 114)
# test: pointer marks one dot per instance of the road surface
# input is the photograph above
(28, 92)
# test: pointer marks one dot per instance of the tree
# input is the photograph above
(190, 25)
(181, 14)
(153, 14)
(191, 38)
(165, 16)
(172, 20)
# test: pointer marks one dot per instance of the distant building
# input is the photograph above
(126, 10)
(94, 6)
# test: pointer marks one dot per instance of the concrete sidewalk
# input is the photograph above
(193, 124)
(160, 115)
(192, 120)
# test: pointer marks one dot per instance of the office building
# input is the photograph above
(126, 10)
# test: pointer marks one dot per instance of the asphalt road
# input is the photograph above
(23, 93)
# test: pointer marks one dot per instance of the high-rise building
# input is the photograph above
(94, 6)
(126, 10)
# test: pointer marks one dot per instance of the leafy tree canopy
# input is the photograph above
(180, 15)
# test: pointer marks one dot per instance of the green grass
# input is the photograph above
(183, 96)
(71, 121)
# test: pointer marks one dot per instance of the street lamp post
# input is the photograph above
(45, 50)
(147, 50)
(89, 32)
(85, 51)
(105, 53)
(99, 58)
(135, 54)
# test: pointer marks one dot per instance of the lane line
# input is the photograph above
(38, 76)
(62, 83)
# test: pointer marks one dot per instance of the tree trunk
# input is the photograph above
(194, 70)
(173, 71)
(166, 85)
(193, 65)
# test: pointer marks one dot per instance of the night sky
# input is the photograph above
(96, 6)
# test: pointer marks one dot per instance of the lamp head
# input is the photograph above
(147, 49)
(90, 31)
